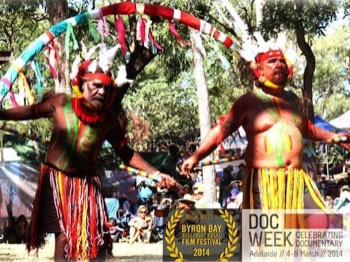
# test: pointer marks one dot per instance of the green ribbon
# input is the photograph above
(70, 34)
(92, 29)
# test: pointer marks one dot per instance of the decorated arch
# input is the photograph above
(144, 11)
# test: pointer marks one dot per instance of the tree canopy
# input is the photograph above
(163, 95)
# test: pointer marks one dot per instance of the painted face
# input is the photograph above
(275, 69)
(97, 94)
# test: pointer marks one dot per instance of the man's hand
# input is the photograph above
(170, 183)
(345, 144)
(188, 166)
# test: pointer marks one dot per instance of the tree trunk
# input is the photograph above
(204, 114)
(58, 11)
(310, 66)
(308, 77)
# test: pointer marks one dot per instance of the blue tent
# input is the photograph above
(324, 124)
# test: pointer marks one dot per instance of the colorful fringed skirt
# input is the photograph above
(290, 189)
(74, 206)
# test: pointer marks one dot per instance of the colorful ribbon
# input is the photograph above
(22, 134)
(125, 8)
(138, 172)
(217, 161)
(331, 141)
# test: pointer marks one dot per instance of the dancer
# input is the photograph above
(275, 127)
(69, 200)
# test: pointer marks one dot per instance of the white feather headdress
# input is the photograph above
(103, 58)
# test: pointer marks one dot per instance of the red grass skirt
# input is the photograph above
(80, 210)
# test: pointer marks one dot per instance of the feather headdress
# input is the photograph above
(254, 54)
(99, 61)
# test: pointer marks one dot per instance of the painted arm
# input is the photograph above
(134, 159)
(315, 133)
(226, 125)
(45, 108)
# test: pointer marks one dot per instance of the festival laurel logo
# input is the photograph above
(202, 235)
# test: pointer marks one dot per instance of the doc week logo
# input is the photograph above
(202, 235)
(264, 231)
(294, 235)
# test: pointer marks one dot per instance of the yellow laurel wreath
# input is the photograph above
(232, 236)
(170, 236)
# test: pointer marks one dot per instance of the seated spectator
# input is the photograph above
(145, 189)
(113, 230)
(154, 200)
(239, 175)
(235, 200)
(160, 215)
(342, 203)
(141, 226)
(198, 195)
(186, 202)
(329, 202)
(225, 187)
(21, 228)
(124, 212)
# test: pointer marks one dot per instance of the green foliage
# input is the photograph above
(332, 73)
(313, 20)
(169, 109)
(164, 93)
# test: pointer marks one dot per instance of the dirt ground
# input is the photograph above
(123, 252)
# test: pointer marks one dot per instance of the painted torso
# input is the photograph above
(273, 131)
(74, 145)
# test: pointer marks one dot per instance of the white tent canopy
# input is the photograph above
(238, 141)
(342, 122)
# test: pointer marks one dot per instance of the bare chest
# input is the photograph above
(78, 136)
(270, 111)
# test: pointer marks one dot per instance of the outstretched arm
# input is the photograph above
(45, 108)
(226, 125)
(315, 133)
(134, 159)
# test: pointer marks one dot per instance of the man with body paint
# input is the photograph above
(69, 200)
(275, 127)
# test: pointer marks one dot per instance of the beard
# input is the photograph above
(97, 104)
(280, 78)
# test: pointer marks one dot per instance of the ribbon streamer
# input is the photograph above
(138, 172)
(331, 141)
(22, 134)
(124, 8)
(23, 83)
(217, 161)
(120, 27)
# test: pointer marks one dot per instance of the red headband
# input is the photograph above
(262, 57)
(105, 79)
(269, 54)
(76, 81)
